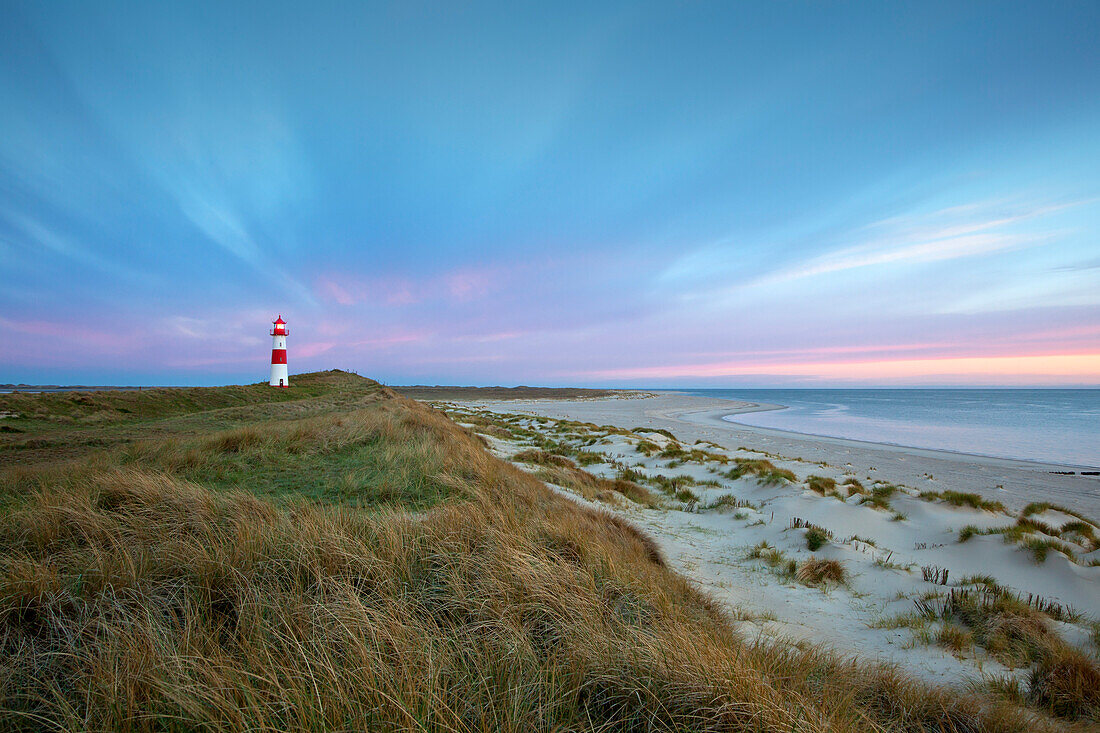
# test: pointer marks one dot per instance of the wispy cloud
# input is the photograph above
(932, 237)
(220, 223)
(948, 233)
(38, 236)
(240, 328)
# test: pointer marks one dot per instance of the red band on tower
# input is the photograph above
(278, 356)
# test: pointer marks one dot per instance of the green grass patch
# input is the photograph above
(974, 501)
(879, 497)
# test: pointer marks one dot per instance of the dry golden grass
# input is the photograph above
(1067, 682)
(132, 598)
(563, 471)
(818, 571)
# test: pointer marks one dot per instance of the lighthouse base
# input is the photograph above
(279, 376)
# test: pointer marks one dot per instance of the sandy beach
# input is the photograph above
(737, 549)
(1015, 483)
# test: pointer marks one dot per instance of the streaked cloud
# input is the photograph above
(959, 231)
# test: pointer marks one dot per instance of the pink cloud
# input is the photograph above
(393, 339)
(200, 361)
(461, 285)
(72, 333)
(314, 348)
(334, 291)
(468, 284)
(350, 290)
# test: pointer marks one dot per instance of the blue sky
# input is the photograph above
(629, 194)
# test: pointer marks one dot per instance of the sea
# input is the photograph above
(1048, 425)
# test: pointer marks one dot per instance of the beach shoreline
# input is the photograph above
(740, 407)
(1015, 482)
(898, 521)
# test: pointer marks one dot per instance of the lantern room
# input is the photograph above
(279, 327)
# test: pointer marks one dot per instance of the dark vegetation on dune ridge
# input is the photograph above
(392, 575)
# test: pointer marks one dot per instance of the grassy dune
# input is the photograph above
(347, 559)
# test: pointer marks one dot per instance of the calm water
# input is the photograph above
(1057, 425)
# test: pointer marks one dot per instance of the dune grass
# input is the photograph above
(562, 471)
(729, 501)
(816, 538)
(962, 498)
(659, 431)
(879, 498)
(854, 486)
(1064, 680)
(821, 484)
(764, 470)
(1039, 538)
(1038, 507)
(819, 571)
(151, 586)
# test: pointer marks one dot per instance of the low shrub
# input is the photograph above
(957, 639)
(816, 538)
(1066, 682)
(818, 571)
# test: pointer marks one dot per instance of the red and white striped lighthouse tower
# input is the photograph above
(279, 376)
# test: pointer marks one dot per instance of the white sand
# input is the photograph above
(711, 546)
(690, 418)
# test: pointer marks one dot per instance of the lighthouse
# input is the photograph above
(279, 376)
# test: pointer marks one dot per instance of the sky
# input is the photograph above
(624, 194)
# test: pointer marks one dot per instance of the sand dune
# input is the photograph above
(883, 548)
(1015, 483)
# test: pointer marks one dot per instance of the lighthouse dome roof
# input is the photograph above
(279, 320)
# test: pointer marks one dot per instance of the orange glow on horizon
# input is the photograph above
(1079, 368)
